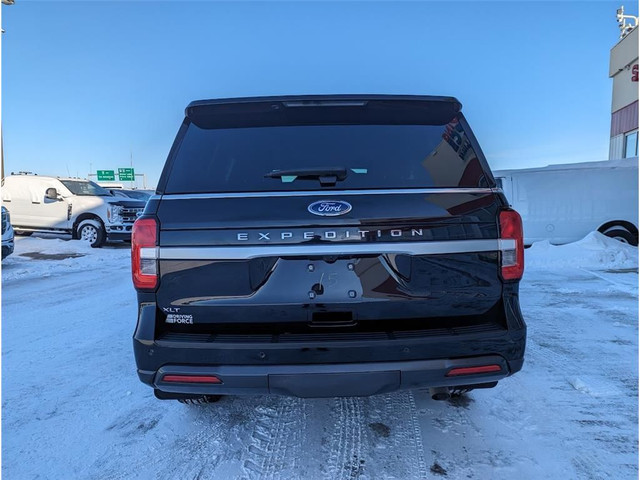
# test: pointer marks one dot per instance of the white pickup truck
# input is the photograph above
(68, 205)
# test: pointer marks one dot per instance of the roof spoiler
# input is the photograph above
(323, 110)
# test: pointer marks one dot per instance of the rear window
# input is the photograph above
(210, 160)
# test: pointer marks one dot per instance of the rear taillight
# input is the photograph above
(511, 245)
(144, 263)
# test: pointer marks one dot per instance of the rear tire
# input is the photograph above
(22, 233)
(204, 400)
(623, 236)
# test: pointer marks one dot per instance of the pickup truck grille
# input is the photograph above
(130, 214)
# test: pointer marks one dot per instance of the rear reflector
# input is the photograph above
(474, 370)
(191, 379)
(512, 252)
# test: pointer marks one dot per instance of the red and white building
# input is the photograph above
(623, 69)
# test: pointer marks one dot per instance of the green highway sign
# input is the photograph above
(106, 175)
(126, 175)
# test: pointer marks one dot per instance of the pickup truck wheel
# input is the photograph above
(623, 236)
(201, 400)
(92, 232)
(23, 233)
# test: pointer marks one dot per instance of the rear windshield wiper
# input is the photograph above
(327, 176)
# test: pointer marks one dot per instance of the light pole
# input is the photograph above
(4, 2)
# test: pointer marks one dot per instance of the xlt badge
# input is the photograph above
(329, 208)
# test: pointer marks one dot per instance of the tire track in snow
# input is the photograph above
(421, 465)
(345, 457)
(188, 442)
(275, 440)
(376, 437)
(398, 411)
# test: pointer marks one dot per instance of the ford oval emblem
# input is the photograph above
(329, 208)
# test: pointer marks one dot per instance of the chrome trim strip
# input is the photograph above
(321, 193)
(401, 248)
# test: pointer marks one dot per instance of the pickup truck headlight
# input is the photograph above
(114, 214)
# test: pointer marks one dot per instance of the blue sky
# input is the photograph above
(85, 84)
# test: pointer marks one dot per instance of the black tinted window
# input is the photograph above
(78, 187)
(137, 195)
(375, 156)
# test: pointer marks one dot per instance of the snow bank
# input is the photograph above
(45, 256)
(595, 251)
(51, 245)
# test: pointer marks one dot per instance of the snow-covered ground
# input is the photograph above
(73, 407)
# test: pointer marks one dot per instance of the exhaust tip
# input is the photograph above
(440, 393)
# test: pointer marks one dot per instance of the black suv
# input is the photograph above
(325, 246)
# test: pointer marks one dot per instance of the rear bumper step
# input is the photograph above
(359, 379)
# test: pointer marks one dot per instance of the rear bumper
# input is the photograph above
(352, 379)
(306, 366)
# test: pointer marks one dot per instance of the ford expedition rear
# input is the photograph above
(319, 246)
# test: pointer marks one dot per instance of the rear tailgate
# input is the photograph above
(394, 256)
(418, 245)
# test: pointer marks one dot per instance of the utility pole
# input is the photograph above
(133, 182)
(4, 2)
